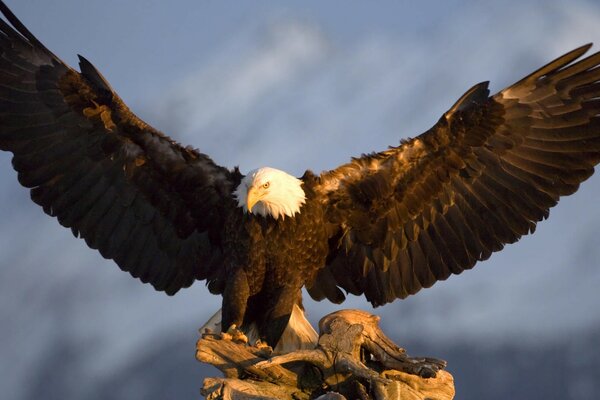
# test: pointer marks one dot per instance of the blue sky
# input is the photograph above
(294, 85)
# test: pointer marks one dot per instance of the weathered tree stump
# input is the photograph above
(352, 360)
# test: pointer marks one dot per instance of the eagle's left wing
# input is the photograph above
(482, 177)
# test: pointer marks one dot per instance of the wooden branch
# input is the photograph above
(352, 360)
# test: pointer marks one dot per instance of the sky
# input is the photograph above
(294, 85)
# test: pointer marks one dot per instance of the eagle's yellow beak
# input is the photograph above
(252, 198)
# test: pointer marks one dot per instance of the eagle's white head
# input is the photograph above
(269, 191)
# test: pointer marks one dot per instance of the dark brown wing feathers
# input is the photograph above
(130, 191)
(482, 177)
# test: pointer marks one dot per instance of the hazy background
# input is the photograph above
(299, 85)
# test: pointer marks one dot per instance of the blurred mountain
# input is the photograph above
(300, 86)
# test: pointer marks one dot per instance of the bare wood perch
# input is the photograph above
(353, 359)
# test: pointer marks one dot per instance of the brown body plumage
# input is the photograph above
(267, 262)
(384, 225)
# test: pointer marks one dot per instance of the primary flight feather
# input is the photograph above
(384, 225)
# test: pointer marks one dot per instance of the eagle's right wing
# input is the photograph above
(480, 178)
(131, 192)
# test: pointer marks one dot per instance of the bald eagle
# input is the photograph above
(385, 225)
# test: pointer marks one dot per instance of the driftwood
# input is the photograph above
(352, 360)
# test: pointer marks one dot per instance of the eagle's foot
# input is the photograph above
(235, 335)
(259, 344)
(264, 350)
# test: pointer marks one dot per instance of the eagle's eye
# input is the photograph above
(265, 185)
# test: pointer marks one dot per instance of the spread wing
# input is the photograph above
(131, 192)
(482, 177)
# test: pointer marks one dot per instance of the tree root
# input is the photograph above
(353, 359)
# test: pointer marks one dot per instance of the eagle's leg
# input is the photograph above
(235, 300)
(278, 309)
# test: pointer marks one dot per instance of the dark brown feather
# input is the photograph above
(128, 190)
(481, 178)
